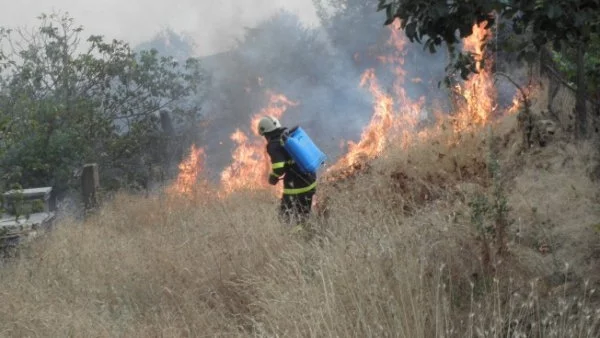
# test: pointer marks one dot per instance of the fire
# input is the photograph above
(390, 113)
(478, 94)
(517, 102)
(396, 118)
(373, 138)
(278, 104)
(189, 172)
(516, 105)
(398, 42)
(401, 114)
(251, 165)
(248, 167)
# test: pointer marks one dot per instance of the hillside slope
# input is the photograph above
(455, 235)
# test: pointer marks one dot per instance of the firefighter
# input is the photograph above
(298, 187)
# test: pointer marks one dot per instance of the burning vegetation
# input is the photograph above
(396, 118)
(412, 232)
(190, 172)
(250, 164)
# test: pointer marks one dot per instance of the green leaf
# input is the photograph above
(389, 14)
(431, 47)
(466, 29)
(411, 30)
(57, 133)
(554, 11)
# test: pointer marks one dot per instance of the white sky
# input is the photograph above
(213, 23)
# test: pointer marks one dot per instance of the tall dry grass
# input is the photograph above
(393, 253)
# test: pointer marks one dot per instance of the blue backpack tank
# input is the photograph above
(303, 150)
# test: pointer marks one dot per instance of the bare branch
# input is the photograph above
(521, 90)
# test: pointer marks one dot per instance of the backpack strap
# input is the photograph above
(283, 137)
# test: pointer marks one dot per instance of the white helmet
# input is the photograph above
(268, 124)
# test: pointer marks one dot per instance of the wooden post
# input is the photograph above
(581, 95)
(90, 183)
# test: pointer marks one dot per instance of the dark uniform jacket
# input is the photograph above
(294, 181)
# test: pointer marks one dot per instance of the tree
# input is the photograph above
(352, 25)
(566, 62)
(561, 23)
(170, 43)
(69, 102)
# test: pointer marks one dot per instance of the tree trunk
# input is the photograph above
(168, 145)
(581, 101)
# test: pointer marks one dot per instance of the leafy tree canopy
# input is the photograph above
(434, 22)
(565, 25)
(64, 102)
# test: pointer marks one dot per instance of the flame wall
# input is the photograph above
(349, 103)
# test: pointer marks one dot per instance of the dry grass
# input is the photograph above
(395, 254)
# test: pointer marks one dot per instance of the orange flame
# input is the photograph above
(248, 167)
(251, 164)
(516, 105)
(517, 101)
(385, 117)
(478, 92)
(373, 140)
(189, 172)
(408, 111)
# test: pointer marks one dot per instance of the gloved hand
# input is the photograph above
(285, 135)
(273, 180)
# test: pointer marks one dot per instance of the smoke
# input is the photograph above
(213, 24)
(252, 47)
(320, 68)
(283, 56)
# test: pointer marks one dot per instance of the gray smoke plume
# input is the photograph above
(212, 24)
(308, 66)
(320, 68)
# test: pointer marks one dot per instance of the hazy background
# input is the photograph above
(315, 58)
(312, 51)
(212, 23)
